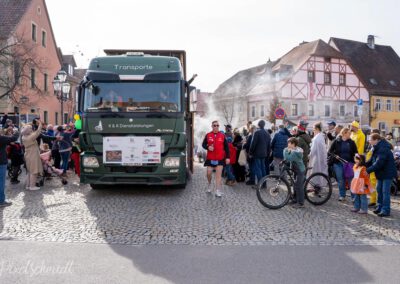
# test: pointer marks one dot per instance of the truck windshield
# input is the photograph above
(133, 97)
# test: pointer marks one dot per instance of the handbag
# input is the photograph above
(242, 158)
(348, 172)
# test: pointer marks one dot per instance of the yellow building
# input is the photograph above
(378, 67)
(385, 114)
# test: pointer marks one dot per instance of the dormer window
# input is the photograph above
(70, 70)
(373, 81)
(392, 83)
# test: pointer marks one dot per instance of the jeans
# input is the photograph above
(3, 172)
(65, 158)
(383, 190)
(338, 168)
(361, 202)
(299, 187)
(252, 169)
(259, 168)
(229, 172)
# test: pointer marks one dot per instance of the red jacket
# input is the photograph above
(217, 140)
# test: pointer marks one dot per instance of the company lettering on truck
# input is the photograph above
(133, 67)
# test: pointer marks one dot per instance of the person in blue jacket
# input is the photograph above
(383, 165)
(279, 142)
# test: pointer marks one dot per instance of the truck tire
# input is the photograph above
(97, 186)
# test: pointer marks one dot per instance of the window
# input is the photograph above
(295, 110)
(46, 116)
(327, 78)
(377, 104)
(355, 111)
(342, 79)
(382, 126)
(33, 32)
(389, 105)
(342, 110)
(327, 111)
(327, 59)
(44, 38)
(253, 111)
(311, 110)
(46, 81)
(240, 108)
(311, 76)
(262, 112)
(56, 118)
(398, 105)
(33, 74)
(65, 118)
(71, 70)
(17, 70)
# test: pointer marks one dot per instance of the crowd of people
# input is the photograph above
(39, 148)
(364, 165)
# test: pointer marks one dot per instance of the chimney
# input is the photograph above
(371, 41)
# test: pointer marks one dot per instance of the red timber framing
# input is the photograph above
(300, 90)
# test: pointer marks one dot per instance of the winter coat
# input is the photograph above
(336, 150)
(4, 140)
(295, 157)
(318, 155)
(359, 138)
(304, 143)
(382, 161)
(260, 144)
(232, 154)
(32, 153)
(279, 143)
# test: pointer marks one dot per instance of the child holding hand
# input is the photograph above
(360, 185)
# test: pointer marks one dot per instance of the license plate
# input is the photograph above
(133, 164)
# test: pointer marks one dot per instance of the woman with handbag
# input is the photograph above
(342, 149)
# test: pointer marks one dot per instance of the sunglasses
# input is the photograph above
(215, 125)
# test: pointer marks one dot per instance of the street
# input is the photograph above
(179, 236)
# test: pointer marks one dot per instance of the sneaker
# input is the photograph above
(341, 198)
(377, 211)
(381, 214)
(362, 212)
(34, 188)
(218, 193)
(14, 181)
(298, 206)
(5, 204)
(354, 210)
(209, 188)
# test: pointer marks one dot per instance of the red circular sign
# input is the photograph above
(279, 113)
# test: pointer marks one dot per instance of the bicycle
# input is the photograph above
(274, 191)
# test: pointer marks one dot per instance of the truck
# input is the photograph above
(137, 120)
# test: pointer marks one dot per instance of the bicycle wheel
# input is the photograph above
(318, 188)
(273, 192)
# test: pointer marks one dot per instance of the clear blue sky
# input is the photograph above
(221, 37)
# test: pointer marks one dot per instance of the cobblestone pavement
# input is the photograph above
(137, 216)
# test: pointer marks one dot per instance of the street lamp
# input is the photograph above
(61, 88)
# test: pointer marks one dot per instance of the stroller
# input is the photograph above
(49, 170)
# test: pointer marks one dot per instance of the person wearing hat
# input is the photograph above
(358, 136)
(304, 140)
(260, 149)
(331, 133)
(228, 131)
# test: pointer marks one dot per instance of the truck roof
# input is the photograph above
(180, 54)
(135, 64)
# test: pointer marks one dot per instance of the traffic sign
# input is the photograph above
(359, 102)
(279, 113)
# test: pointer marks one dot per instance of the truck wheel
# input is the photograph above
(96, 186)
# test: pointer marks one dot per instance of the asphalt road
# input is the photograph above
(43, 262)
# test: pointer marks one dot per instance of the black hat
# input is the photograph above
(228, 126)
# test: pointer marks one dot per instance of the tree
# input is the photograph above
(228, 109)
(17, 59)
(273, 105)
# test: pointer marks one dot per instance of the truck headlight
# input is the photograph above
(90, 162)
(172, 162)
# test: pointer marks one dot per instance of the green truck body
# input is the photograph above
(137, 127)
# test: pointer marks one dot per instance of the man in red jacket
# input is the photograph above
(217, 156)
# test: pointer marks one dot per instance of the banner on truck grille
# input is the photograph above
(131, 150)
